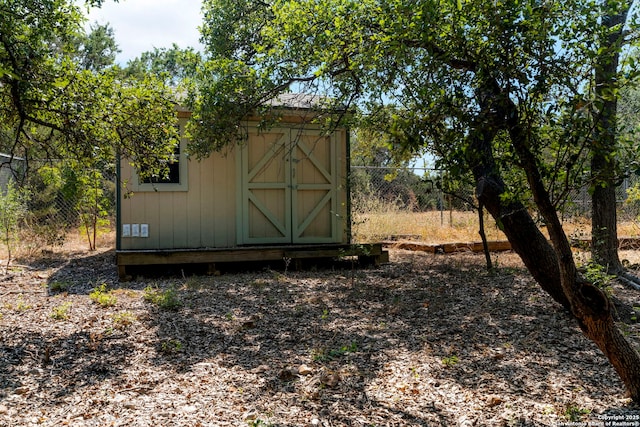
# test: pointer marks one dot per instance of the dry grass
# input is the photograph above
(452, 226)
(26, 248)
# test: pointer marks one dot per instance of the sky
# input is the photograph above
(141, 25)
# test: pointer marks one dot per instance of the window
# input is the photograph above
(175, 180)
(173, 174)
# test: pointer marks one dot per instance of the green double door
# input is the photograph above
(290, 186)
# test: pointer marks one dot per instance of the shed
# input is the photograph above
(281, 194)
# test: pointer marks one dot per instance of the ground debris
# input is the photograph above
(425, 340)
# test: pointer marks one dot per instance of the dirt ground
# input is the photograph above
(426, 340)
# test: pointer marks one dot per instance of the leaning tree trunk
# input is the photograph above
(553, 264)
(511, 216)
(589, 304)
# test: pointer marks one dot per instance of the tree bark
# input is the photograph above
(604, 232)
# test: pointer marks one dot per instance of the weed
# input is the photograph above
(547, 410)
(166, 300)
(597, 274)
(229, 316)
(450, 361)
(325, 314)
(171, 346)
(279, 277)
(195, 283)
(258, 423)
(287, 262)
(59, 286)
(324, 355)
(415, 373)
(61, 312)
(575, 413)
(21, 305)
(259, 284)
(103, 297)
(124, 319)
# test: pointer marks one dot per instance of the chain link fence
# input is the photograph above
(58, 200)
(419, 202)
(385, 203)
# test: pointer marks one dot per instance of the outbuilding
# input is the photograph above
(282, 194)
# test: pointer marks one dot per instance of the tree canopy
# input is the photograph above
(514, 93)
(61, 95)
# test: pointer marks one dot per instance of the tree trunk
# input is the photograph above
(554, 265)
(511, 216)
(604, 232)
(483, 236)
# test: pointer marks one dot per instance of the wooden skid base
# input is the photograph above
(366, 253)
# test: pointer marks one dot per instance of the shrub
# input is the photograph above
(166, 300)
(102, 296)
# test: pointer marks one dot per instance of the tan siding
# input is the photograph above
(194, 200)
(150, 214)
(223, 220)
(165, 228)
(207, 201)
(207, 215)
(180, 220)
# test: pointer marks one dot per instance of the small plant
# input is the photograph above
(229, 316)
(59, 286)
(258, 423)
(195, 283)
(279, 277)
(103, 297)
(324, 355)
(166, 300)
(259, 284)
(575, 413)
(450, 361)
(597, 274)
(548, 410)
(171, 346)
(12, 211)
(287, 262)
(415, 373)
(123, 319)
(61, 312)
(21, 305)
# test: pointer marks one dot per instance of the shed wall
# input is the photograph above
(208, 210)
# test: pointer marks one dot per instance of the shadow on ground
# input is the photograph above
(421, 341)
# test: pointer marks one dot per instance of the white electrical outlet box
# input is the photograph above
(144, 230)
(126, 230)
(135, 230)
